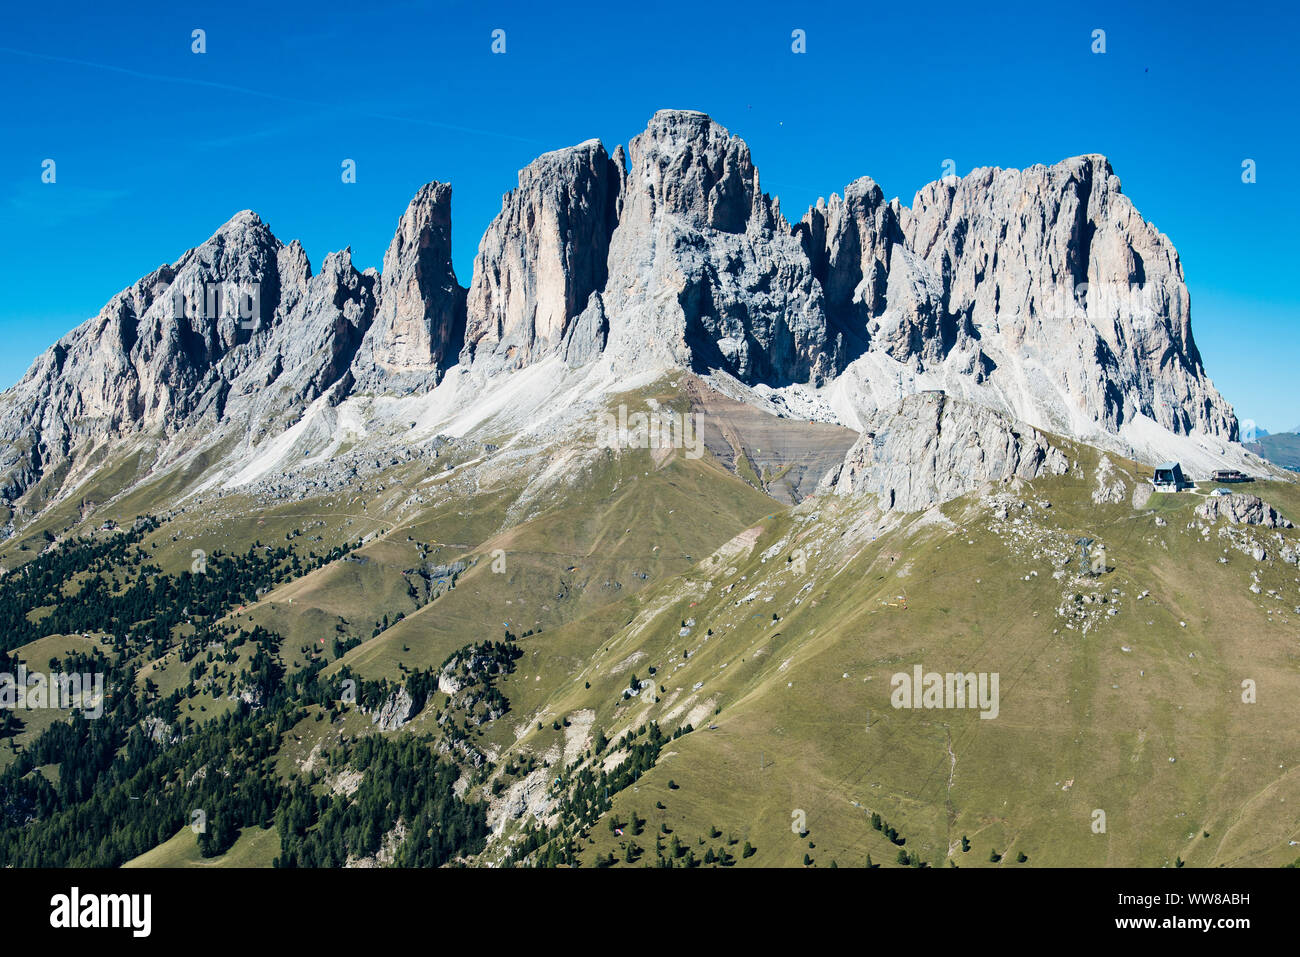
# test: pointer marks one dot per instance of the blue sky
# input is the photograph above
(156, 146)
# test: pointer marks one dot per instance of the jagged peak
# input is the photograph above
(863, 186)
(432, 194)
(340, 261)
(1098, 161)
(429, 210)
(242, 222)
(419, 312)
(1085, 166)
(244, 229)
(690, 166)
(763, 300)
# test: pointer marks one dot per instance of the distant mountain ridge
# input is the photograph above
(998, 286)
(1280, 448)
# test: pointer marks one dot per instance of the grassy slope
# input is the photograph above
(1075, 709)
(255, 847)
(795, 734)
(631, 520)
(36, 655)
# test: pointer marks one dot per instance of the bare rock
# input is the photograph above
(394, 712)
(1241, 509)
(1053, 266)
(1110, 488)
(420, 318)
(929, 449)
(235, 337)
(543, 262)
(704, 271)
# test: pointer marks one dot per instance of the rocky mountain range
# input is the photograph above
(612, 553)
(1040, 295)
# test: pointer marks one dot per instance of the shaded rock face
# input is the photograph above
(236, 330)
(880, 296)
(849, 243)
(419, 323)
(1241, 509)
(542, 264)
(309, 353)
(703, 269)
(929, 449)
(1042, 292)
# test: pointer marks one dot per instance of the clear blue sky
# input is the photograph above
(156, 146)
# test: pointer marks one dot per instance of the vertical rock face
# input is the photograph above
(147, 361)
(1042, 293)
(880, 296)
(703, 269)
(1058, 273)
(687, 166)
(194, 325)
(543, 261)
(311, 350)
(420, 316)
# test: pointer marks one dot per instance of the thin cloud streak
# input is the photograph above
(248, 91)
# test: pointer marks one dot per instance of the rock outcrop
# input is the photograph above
(1055, 267)
(1110, 488)
(1241, 509)
(874, 294)
(929, 449)
(309, 354)
(394, 712)
(1041, 293)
